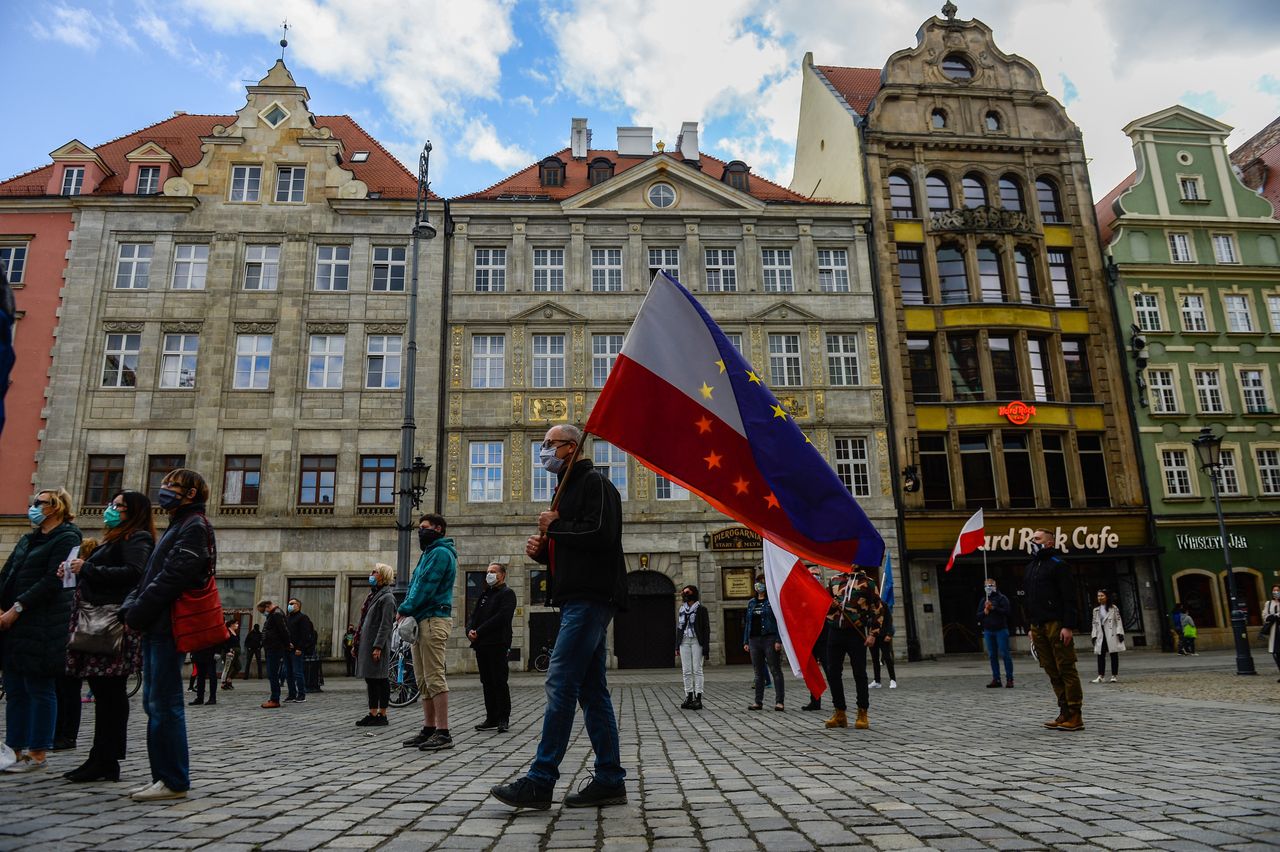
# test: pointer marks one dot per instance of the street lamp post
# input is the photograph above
(413, 474)
(1209, 450)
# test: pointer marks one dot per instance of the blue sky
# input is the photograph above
(494, 83)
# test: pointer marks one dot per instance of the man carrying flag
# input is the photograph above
(801, 605)
(857, 617)
(8, 314)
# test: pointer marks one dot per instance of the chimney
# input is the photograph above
(687, 141)
(579, 139)
(635, 141)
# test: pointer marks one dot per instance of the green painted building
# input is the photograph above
(1194, 265)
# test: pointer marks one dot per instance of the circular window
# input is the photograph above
(662, 195)
(1185, 158)
(957, 67)
(938, 118)
(993, 121)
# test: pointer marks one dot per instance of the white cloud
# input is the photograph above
(80, 27)
(485, 146)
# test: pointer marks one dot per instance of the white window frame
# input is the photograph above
(1268, 469)
(548, 362)
(785, 366)
(1176, 475)
(666, 490)
(1224, 248)
(1196, 185)
(1181, 247)
(833, 270)
(261, 267)
(484, 467)
(1255, 394)
(291, 183)
(9, 253)
(604, 354)
(853, 464)
(333, 269)
(384, 359)
(190, 266)
(1145, 312)
(148, 181)
(613, 462)
(548, 270)
(250, 372)
(133, 266)
(664, 259)
(491, 270)
(1273, 312)
(1239, 320)
(1194, 319)
(488, 360)
(326, 356)
(1230, 484)
(542, 482)
(735, 340)
(778, 275)
(387, 260)
(842, 360)
(1207, 391)
(606, 270)
(246, 184)
(72, 180)
(178, 358)
(125, 348)
(722, 270)
(1162, 395)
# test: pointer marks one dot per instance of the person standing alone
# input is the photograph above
(490, 633)
(1108, 635)
(1051, 608)
(275, 644)
(693, 639)
(993, 617)
(302, 646)
(429, 603)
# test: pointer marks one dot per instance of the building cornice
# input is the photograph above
(147, 203)
(369, 206)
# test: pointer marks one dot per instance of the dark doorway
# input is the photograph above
(644, 637)
(543, 628)
(734, 615)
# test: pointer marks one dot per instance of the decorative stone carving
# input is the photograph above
(122, 326)
(517, 356)
(580, 405)
(820, 405)
(517, 408)
(579, 358)
(384, 328)
(181, 328)
(455, 410)
(255, 327)
(455, 357)
(796, 406)
(816, 361)
(882, 461)
(518, 444)
(546, 409)
(326, 328)
(455, 450)
(982, 219)
(873, 356)
(877, 404)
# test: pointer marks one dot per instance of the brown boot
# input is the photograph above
(838, 720)
(862, 723)
(1073, 722)
(1054, 723)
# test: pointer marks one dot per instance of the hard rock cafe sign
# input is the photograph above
(1018, 412)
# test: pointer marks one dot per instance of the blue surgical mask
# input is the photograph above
(549, 459)
(990, 590)
(168, 500)
(36, 515)
(759, 588)
(373, 580)
(292, 607)
(111, 517)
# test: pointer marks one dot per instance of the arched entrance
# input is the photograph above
(644, 637)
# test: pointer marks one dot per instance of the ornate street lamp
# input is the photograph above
(413, 476)
(1209, 450)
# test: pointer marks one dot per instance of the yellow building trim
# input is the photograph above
(1074, 322)
(919, 319)
(909, 232)
(997, 316)
(1057, 236)
(931, 419)
(1089, 418)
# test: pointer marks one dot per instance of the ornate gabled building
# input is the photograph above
(1000, 350)
(1195, 260)
(548, 269)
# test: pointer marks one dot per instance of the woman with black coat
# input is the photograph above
(693, 644)
(110, 573)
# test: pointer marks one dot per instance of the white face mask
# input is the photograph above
(549, 459)
(491, 578)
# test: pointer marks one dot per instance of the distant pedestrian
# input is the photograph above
(253, 651)
(231, 653)
(490, 633)
(349, 649)
(1175, 618)
(856, 616)
(1051, 608)
(993, 618)
(429, 602)
(761, 640)
(373, 641)
(302, 646)
(1108, 636)
(819, 648)
(1271, 618)
(1189, 634)
(693, 644)
(882, 650)
(205, 670)
(276, 647)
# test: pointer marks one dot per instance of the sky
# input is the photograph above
(494, 83)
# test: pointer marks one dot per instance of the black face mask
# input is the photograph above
(688, 598)
(428, 537)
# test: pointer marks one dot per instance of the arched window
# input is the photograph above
(993, 121)
(737, 175)
(600, 170)
(957, 67)
(990, 274)
(938, 119)
(938, 191)
(1049, 202)
(975, 190)
(902, 198)
(953, 279)
(551, 172)
(1011, 193)
(1195, 593)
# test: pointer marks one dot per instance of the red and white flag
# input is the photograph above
(972, 535)
(800, 604)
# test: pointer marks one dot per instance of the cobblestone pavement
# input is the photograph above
(947, 764)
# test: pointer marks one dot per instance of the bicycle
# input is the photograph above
(542, 662)
(135, 682)
(404, 684)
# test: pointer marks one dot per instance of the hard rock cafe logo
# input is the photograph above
(1018, 412)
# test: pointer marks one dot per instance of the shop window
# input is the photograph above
(1195, 593)
(316, 595)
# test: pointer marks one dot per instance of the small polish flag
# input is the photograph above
(971, 538)
(800, 604)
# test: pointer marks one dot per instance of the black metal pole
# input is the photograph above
(1235, 613)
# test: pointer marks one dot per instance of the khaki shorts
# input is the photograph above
(428, 655)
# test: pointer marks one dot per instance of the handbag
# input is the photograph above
(99, 629)
(408, 630)
(197, 613)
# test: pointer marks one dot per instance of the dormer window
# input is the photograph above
(72, 180)
(600, 170)
(551, 172)
(738, 175)
(360, 157)
(148, 180)
(275, 115)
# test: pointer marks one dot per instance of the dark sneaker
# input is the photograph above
(380, 722)
(1008, 684)
(438, 742)
(487, 725)
(597, 795)
(367, 721)
(995, 684)
(523, 793)
(422, 737)
(503, 727)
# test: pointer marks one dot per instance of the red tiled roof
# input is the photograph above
(858, 86)
(1259, 162)
(180, 136)
(527, 181)
(1105, 210)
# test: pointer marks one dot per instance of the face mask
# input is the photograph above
(549, 459)
(36, 515)
(759, 588)
(491, 578)
(168, 500)
(428, 537)
(1036, 547)
(688, 598)
(111, 517)
(991, 590)
(373, 580)
(292, 608)
(1276, 595)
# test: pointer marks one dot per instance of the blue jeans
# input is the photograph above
(162, 694)
(577, 676)
(998, 643)
(30, 709)
(275, 672)
(297, 672)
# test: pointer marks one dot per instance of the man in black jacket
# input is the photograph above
(581, 543)
(1051, 608)
(489, 630)
(276, 646)
(993, 618)
(302, 644)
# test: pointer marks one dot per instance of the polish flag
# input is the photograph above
(971, 537)
(800, 604)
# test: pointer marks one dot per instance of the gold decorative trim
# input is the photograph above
(545, 409)
(877, 404)
(873, 355)
(455, 410)
(455, 357)
(517, 408)
(455, 450)
(579, 406)
(518, 444)
(820, 405)
(817, 357)
(757, 346)
(517, 356)
(642, 482)
(796, 406)
(579, 356)
(882, 460)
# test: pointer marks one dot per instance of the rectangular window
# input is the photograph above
(853, 466)
(488, 360)
(784, 360)
(1224, 249)
(486, 472)
(606, 270)
(148, 180)
(923, 362)
(1253, 391)
(1062, 278)
(333, 268)
(317, 480)
(1194, 317)
(990, 275)
(604, 353)
(777, 271)
(833, 270)
(548, 360)
(1273, 310)
(377, 480)
(722, 271)
(842, 360)
(382, 361)
(1024, 269)
(1055, 470)
(120, 361)
(664, 260)
(103, 479)
(325, 356)
(158, 468)
(190, 267)
(1229, 473)
(261, 267)
(241, 479)
(1239, 315)
(13, 260)
(246, 181)
(1163, 392)
(548, 270)
(1180, 248)
(1209, 391)
(291, 184)
(178, 361)
(388, 269)
(1268, 462)
(1075, 354)
(975, 467)
(1177, 473)
(491, 270)
(133, 269)
(72, 180)
(966, 366)
(1146, 308)
(1041, 374)
(911, 275)
(1004, 368)
(953, 277)
(1190, 188)
(611, 461)
(935, 471)
(735, 340)
(668, 490)
(1093, 471)
(1017, 470)
(253, 361)
(543, 485)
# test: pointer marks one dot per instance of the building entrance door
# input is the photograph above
(734, 616)
(644, 637)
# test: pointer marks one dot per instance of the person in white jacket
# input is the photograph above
(1108, 636)
(1271, 620)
